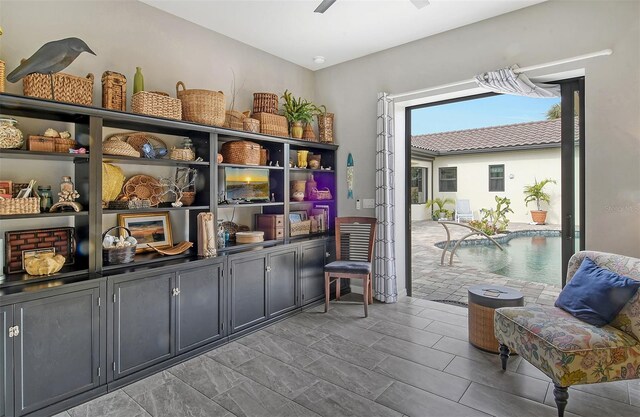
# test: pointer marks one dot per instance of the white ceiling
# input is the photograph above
(349, 29)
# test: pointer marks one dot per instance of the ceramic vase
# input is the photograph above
(297, 130)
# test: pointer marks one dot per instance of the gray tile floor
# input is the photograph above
(432, 281)
(411, 358)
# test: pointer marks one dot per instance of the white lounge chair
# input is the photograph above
(463, 210)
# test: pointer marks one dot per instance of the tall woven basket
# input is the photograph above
(325, 127)
(201, 106)
(265, 102)
(1, 76)
(114, 91)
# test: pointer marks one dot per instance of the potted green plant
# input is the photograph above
(298, 111)
(536, 193)
(441, 213)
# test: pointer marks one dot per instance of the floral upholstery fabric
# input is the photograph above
(569, 350)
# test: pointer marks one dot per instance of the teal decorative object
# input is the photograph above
(138, 81)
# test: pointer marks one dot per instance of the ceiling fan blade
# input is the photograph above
(324, 6)
(420, 3)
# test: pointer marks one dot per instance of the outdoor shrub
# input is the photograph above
(494, 220)
(441, 212)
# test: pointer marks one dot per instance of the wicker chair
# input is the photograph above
(571, 351)
(354, 251)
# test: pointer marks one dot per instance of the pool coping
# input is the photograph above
(500, 238)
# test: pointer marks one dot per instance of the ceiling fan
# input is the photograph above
(328, 3)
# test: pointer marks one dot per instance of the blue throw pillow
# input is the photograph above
(596, 295)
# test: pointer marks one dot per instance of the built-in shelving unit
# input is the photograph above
(91, 125)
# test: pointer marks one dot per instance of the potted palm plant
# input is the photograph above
(536, 193)
(298, 111)
(441, 213)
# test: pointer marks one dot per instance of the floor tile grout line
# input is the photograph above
(134, 400)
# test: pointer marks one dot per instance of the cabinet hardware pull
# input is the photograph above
(268, 269)
(16, 330)
(11, 331)
(327, 255)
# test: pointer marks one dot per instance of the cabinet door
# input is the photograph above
(281, 279)
(198, 307)
(57, 349)
(312, 270)
(143, 323)
(248, 291)
(6, 363)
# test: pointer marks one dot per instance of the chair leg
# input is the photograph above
(365, 298)
(561, 395)
(338, 289)
(327, 291)
(504, 355)
(370, 290)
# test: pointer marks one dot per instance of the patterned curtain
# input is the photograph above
(385, 286)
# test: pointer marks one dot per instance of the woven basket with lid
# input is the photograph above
(114, 91)
(201, 106)
(241, 152)
(66, 87)
(265, 102)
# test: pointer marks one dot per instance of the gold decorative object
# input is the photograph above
(44, 264)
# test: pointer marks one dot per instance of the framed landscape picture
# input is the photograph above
(148, 229)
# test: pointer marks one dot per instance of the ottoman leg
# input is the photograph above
(504, 355)
(561, 395)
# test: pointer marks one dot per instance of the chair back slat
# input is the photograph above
(354, 238)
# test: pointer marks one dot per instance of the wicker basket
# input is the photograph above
(181, 154)
(114, 91)
(201, 106)
(249, 237)
(233, 119)
(47, 144)
(264, 156)
(272, 124)
(265, 102)
(157, 104)
(2, 73)
(241, 152)
(66, 87)
(325, 127)
(308, 133)
(300, 228)
(115, 256)
(251, 125)
(188, 198)
(112, 182)
(114, 146)
(138, 139)
(298, 186)
(129, 204)
(30, 205)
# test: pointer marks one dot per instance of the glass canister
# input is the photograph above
(10, 136)
(45, 198)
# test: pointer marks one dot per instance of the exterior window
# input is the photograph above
(448, 179)
(418, 185)
(496, 177)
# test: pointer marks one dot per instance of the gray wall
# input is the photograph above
(127, 34)
(538, 34)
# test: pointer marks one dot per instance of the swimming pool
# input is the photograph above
(526, 257)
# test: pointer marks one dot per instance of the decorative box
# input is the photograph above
(272, 225)
(66, 87)
(62, 239)
(114, 91)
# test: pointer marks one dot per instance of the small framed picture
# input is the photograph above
(27, 254)
(295, 218)
(148, 229)
(303, 214)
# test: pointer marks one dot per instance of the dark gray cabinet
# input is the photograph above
(248, 298)
(57, 348)
(143, 322)
(199, 307)
(312, 260)
(6, 362)
(281, 280)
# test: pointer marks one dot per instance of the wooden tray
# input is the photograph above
(176, 250)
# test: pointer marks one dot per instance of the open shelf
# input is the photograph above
(222, 165)
(311, 170)
(48, 156)
(146, 258)
(250, 205)
(148, 161)
(38, 215)
(154, 209)
(19, 278)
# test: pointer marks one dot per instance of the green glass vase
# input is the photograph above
(138, 81)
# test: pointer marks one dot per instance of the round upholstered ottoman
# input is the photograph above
(483, 301)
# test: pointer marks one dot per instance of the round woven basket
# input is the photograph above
(188, 197)
(181, 154)
(137, 139)
(251, 125)
(115, 256)
(201, 106)
(114, 146)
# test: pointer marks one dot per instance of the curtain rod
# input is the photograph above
(603, 52)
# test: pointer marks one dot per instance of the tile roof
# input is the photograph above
(494, 137)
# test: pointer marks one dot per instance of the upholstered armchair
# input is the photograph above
(571, 351)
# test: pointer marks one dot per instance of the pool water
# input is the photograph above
(526, 258)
